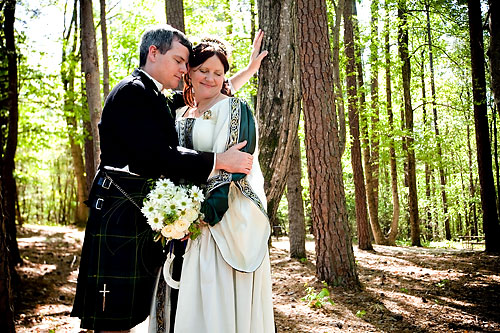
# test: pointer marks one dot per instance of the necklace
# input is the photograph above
(206, 114)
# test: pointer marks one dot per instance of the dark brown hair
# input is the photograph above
(201, 52)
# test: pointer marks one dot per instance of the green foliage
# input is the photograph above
(44, 168)
(317, 299)
(360, 313)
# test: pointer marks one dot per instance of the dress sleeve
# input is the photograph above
(216, 204)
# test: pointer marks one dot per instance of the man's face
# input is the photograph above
(169, 67)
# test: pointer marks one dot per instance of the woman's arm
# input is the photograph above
(242, 77)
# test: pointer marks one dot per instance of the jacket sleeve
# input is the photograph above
(136, 130)
(216, 204)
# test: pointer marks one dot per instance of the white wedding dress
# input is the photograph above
(225, 285)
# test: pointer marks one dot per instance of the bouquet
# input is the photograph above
(173, 211)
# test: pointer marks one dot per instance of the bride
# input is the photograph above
(225, 285)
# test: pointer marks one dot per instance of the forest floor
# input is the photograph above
(405, 289)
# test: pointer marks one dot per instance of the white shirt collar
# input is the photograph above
(158, 84)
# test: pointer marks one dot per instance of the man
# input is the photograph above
(120, 261)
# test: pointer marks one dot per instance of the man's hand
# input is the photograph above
(235, 161)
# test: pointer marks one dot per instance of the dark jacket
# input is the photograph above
(137, 129)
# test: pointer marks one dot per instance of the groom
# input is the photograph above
(120, 261)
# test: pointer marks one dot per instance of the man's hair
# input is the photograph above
(162, 37)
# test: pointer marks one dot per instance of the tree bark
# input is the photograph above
(442, 177)
(408, 122)
(296, 218)
(90, 66)
(175, 17)
(6, 290)
(364, 240)
(105, 63)
(335, 257)
(9, 147)
(488, 196)
(393, 232)
(278, 117)
(175, 13)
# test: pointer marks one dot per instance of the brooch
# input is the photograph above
(207, 114)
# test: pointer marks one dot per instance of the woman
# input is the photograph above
(225, 285)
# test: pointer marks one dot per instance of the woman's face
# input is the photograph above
(207, 78)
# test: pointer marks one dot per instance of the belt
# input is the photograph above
(105, 181)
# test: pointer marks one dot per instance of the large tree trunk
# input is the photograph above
(175, 13)
(90, 66)
(175, 17)
(335, 257)
(408, 122)
(339, 98)
(278, 117)
(488, 196)
(105, 63)
(296, 219)
(9, 147)
(68, 71)
(6, 290)
(442, 177)
(364, 239)
(393, 232)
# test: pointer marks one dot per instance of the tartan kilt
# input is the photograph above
(119, 252)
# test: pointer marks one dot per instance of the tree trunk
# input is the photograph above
(488, 196)
(175, 17)
(90, 66)
(335, 257)
(339, 98)
(393, 232)
(175, 13)
(408, 122)
(494, 50)
(105, 63)
(9, 147)
(374, 135)
(494, 56)
(364, 239)
(6, 290)
(472, 230)
(68, 78)
(436, 129)
(370, 137)
(296, 219)
(495, 151)
(278, 117)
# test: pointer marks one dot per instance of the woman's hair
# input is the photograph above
(207, 48)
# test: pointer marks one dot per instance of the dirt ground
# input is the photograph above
(405, 289)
